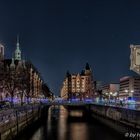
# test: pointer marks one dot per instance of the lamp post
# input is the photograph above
(106, 97)
(129, 93)
(110, 94)
(126, 91)
(115, 95)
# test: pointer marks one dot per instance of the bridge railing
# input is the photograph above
(112, 104)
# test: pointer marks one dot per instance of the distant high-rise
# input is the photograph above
(110, 91)
(78, 85)
(1, 52)
(130, 88)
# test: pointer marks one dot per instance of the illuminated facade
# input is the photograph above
(110, 91)
(19, 79)
(130, 88)
(78, 85)
(35, 81)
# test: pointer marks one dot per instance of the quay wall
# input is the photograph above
(13, 121)
(121, 119)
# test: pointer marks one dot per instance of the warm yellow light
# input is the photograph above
(126, 90)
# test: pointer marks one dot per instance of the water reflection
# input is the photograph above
(58, 126)
(76, 113)
(62, 127)
(78, 131)
(38, 135)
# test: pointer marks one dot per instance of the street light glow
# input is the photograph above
(126, 90)
(132, 91)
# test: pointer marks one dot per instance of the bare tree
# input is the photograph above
(10, 82)
(16, 81)
(24, 83)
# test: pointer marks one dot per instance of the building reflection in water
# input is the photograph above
(76, 113)
(49, 120)
(69, 130)
(38, 135)
(60, 125)
(78, 131)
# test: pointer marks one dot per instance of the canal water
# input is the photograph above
(59, 126)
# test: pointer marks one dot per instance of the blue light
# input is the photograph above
(130, 98)
(88, 100)
(73, 99)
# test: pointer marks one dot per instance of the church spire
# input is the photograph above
(87, 66)
(87, 69)
(17, 41)
(17, 51)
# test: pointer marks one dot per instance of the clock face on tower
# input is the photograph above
(135, 58)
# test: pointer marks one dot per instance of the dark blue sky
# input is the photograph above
(58, 35)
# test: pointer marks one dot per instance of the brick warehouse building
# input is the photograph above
(78, 85)
(19, 79)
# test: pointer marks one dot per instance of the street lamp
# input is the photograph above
(126, 91)
(130, 93)
(106, 96)
(110, 94)
(115, 96)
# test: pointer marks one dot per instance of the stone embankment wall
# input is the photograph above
(13, 121)
(121, 119)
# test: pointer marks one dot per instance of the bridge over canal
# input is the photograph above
(14, 121)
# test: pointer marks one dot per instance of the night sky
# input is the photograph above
(58, 35)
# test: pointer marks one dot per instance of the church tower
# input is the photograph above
(90, 85)
(88, 71)
(17, 51)
(1, 52)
